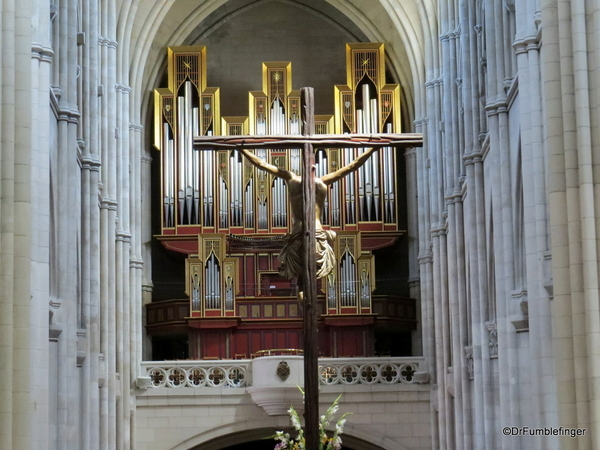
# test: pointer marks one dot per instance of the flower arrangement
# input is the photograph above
(325, 442)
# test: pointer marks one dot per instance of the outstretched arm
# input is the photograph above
(332, 177)
(269, 168)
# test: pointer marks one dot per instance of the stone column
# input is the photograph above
(15, 224)
(41, 57)
(110, 435)
(569, 92)
(410, 156)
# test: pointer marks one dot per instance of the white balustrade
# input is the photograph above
(349, 371)
(332, 371)
(178, 374)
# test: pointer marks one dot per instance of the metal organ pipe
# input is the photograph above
(335, 204)
(373, 166)
(195, 167)
(280, 200)
(350, 192)
(167, 176)
(217, 285)
(374, 161)
(238, 193)
(366, 104)
(205, 186)
(207, 281)
(261, 126)
(347, 280)
(363, 120)
(181, 154)
(213, 283)
(374, 116)
(236, 189)
(210, 173)
(389, 178)
(342, 282)
(223, 204)
(250, 204)
(284, 203)
(188, 149)
(368, 175)
(262, 203)
(321, 170)
(353, 281)
(278, 122)
(295, 153)
(213, 291)
(229, 293)
(331, 291)
(232, 184)
(365, 290)
(361, 171)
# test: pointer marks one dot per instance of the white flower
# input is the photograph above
(295, 419)
(339, 427)
(337, 443)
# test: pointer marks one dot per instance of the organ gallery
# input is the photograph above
(228, 219)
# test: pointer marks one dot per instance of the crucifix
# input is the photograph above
(299, 256)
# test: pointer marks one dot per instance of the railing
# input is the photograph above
(349, 371)
(278, 352)
(237, 373)
(178, 374)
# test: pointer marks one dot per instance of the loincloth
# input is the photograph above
(291, 254)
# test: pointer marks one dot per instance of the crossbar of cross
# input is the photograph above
(317, 141)
(308, 141)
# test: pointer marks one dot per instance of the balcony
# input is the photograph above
(238, 373)
(191, 403)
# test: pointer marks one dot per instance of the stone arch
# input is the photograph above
(407, 28)
(239, 432)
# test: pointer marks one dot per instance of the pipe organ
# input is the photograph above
(211, 199)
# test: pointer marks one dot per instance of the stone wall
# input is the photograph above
(388, 418)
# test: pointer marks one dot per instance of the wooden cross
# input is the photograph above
(308, 141)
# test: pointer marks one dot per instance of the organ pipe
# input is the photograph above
(188, 150)
(331, 303)
(195, 293)
(365, 290)
(229, 294)
(213, 283)
(195, 167)
(218, 190)
(223, 204)
(168, 176)
(193, 193)
(206, 194)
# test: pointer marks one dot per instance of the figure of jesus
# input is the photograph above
(290, 255)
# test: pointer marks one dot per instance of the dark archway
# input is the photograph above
(259, 439)
(267, 444)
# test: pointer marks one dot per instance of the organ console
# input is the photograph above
(214, 200)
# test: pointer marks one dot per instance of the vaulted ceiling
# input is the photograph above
(407, 27)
